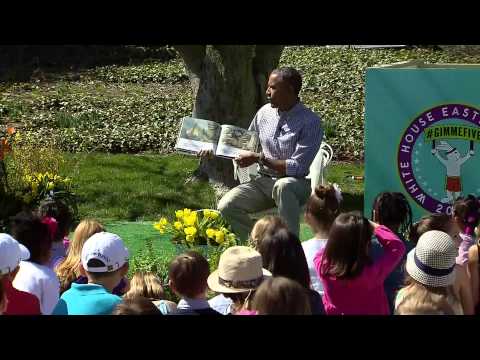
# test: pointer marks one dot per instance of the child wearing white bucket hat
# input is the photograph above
(431, 270)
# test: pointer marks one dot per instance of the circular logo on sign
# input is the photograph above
(435, 152)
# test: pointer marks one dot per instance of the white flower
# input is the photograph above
(338, 192)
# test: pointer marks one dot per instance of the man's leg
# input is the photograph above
(290, 194)
(242, 200)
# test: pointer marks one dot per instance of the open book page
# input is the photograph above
(233, 140)
(197, 134)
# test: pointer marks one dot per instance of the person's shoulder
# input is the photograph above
(266, 110)
(309, 114)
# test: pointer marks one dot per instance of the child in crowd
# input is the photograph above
(19, 302)
(104, 263)
(239, 274)
(282, 255)
(149, 286)
(392, 210)
(431, 272)
(320, 211)
(59, 217)
(188, 275)
(474, 271)
(462, 285)
(68, 270)
(267, 224)
(353, 283)
(281, 296)
(34, 276)
(466, 214)
(3, 300)
(263, 226)
(424, 303)
(137, 305)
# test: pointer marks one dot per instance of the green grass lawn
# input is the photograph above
(128, 192)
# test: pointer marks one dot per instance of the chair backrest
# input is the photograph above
(319, 164)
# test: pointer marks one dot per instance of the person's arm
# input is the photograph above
(307, 147)
(465, 158)
(437, 155)
(466, 298)
(473, 270)
(393, 251)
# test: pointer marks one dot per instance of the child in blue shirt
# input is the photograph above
(104, 263)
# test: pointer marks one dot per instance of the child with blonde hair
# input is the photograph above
(68, 270)
(264, 226)
(149, 286)
(431, 271)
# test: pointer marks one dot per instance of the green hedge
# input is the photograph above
(137, 108)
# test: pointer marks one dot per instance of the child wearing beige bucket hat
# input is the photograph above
(240, 272)
(431, 270)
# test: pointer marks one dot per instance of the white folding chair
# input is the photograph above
(319, 166)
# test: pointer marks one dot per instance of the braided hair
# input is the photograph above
(468, 210)
(392, 209)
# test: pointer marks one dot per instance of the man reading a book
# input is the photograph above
(290, 136)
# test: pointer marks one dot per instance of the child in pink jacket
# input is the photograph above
(352, 282)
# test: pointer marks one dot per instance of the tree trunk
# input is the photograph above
(228, 83)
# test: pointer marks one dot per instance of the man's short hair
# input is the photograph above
(292, 76)
(189, 272)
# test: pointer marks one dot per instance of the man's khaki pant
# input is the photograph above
(289, 194)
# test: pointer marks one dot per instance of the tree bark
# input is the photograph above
(228, 84)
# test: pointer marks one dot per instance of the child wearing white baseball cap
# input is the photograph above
(104, 263)
(18, 302)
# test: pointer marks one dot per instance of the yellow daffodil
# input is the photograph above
(214, 215)
(190, 220)
(190, 230)
(210, 233)
(219, 237)
(178, 225)
(158, 226)
(186, 212)
(50, 185)
(163, 221)
(189, 238)
(179, 214)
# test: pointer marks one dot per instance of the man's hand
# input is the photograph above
(208, 154)
(247, 158)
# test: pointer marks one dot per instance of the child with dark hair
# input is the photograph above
(104, 263)
(320, 211)
(34, 276)
(466, 214)
(137, 305)
(282, 255)
(59, 217)
(392, 210)
(188, 274)
(442, 222)
(11, 254)
(281, 296)
(353, 283)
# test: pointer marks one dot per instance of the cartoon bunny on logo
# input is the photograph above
(453, 164)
